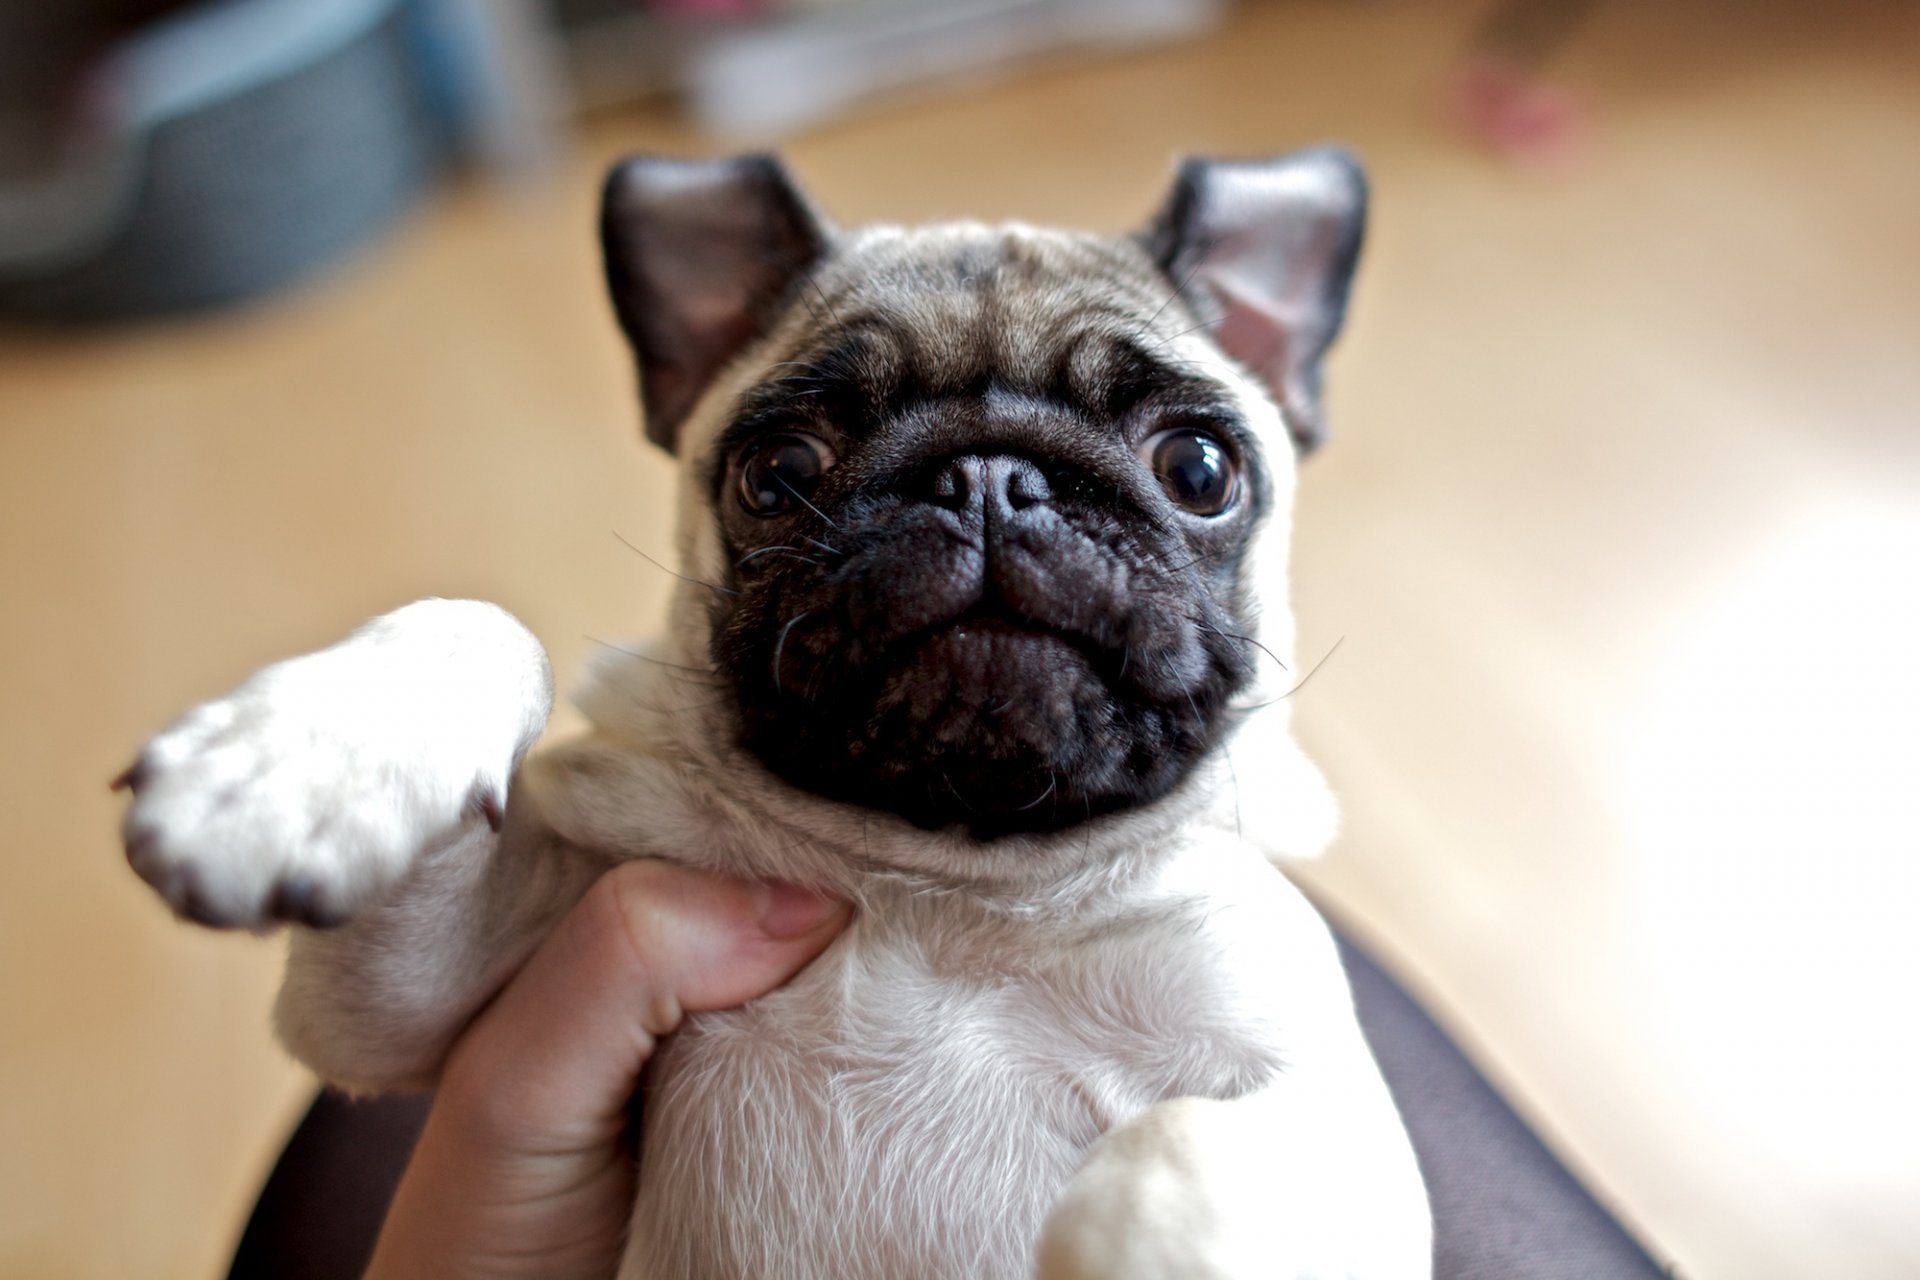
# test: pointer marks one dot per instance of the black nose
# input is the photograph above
(999, 486)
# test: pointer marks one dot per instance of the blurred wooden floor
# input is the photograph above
(1618, 526)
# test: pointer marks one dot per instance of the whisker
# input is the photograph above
(761, 551)
(964, 804)
(832, 551)
(1182, 568)
(647, 657)
(803, 500)
(1302, 682)
(698, 582)
(1053, 780)
(792, 552)
(813, 278)
(1234, 635)
(780, 645)
(812, 310)
(1172, 337)
(1178, 290)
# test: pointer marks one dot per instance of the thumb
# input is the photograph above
(558, 1055)
(521, 1168)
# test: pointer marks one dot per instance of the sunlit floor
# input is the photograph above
(1618, 530)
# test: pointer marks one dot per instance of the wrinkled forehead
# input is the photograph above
(1010, 296)
(898, 316)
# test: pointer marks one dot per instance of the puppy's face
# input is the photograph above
(979, 502)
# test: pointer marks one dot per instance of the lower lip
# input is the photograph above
(995, 647)
(1001, 631)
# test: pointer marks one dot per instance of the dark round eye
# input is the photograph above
(780, 473)
(1194, 468)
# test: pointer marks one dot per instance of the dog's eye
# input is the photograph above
(1194, 468)
(780, 473)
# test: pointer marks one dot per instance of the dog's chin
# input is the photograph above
(985, 724)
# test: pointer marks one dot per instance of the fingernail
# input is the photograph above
(789, 910)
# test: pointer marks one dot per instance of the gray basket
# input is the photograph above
(255, 141)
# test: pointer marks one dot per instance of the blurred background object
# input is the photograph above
(1616, 529)
(161, 156)
(158, 156)
(805, 61)
(1502, 96)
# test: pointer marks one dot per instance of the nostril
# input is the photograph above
(1025, 484)
(954, 485)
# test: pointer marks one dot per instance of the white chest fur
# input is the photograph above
(914, 1102)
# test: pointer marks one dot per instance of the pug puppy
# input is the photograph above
(982, 624)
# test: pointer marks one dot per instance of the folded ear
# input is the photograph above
(701, 256)
(1263, 251)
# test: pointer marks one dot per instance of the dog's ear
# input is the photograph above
(701, 257)
(1263, 251)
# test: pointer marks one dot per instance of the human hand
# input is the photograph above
(524, 1168)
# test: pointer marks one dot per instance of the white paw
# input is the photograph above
(308, 793)
(1141, 1207)
(1196, 1189)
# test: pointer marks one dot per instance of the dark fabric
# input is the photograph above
(1504, 1208)
(323, 1204)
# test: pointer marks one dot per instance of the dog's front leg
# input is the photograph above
(1304, 1179)
(359, 790)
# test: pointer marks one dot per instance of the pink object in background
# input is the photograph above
(1514, 111)
(1500, 96)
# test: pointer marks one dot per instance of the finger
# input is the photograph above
(553, 1063)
